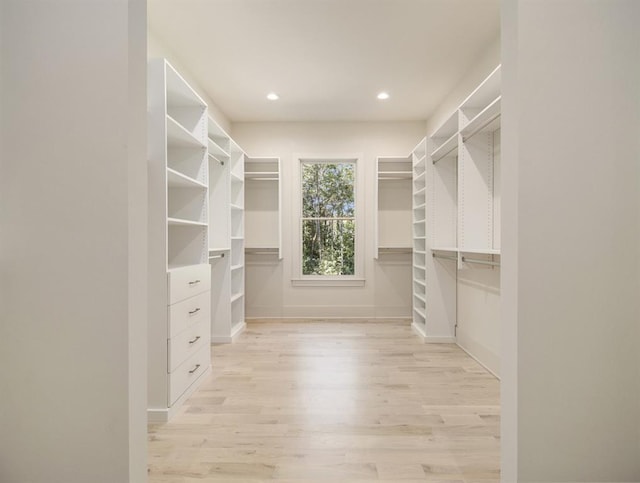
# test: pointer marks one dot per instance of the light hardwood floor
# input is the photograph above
(334, 401)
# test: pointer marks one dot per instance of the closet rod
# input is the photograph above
(216, 159)
(444, 257)
(481, 127)
(249, 252)
(211, 257)
(481, 262)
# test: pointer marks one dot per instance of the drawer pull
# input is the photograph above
(194, 311)
(194, 282)
(194, 340)
(194, 369)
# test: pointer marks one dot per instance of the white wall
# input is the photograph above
(571, 241)
(72, 211)
(156, 48)
(269, 289)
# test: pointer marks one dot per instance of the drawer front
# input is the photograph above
(189, 312)
(187, 343)
(186, 282)
(188, 372)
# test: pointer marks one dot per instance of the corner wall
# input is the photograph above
(72, 238)
(571, 241)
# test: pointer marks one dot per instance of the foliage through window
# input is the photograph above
(328, 218)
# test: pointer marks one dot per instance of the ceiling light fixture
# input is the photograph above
(272, 96)
(383, 96)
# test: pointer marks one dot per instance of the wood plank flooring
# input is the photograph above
(334, 401)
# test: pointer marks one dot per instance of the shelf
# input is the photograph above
(419, 179)
(393, 175)
(178, 91)
(237, 238)
(420, 151)
(236, 207)
(420, 282)
(236, 179)
(420, 312)
(178, 136)
(176, 179)
(444, 249)
(487, 120)
(420, 298)
(420, 191)
(483, 251)
(262, 175)
(420, 206)
(445, 149)
(485, 92)
(236, 297)
(448, 128)
(217, 152)
(420, 160)
(181, 222)
(218, 250)
(236, 267)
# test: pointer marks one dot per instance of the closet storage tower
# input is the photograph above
(179, 275)
(463, 206)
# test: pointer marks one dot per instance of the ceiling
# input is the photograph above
(326, 59)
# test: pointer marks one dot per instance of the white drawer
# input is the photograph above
(188, 372)
(189, 312)
(186, 343)
(188, 281)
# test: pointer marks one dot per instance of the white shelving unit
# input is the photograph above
(226, 234)
(418, 161)
(463, 203)
(237, 159)
(263, 202)
(393, 216)
(179, 308)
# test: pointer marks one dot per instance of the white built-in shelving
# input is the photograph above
(263, 201)
(226, 234)
(463, 202)
(178, 300)
(418, 163)
(393, 216)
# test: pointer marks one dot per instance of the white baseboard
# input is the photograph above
(478, 352)
(430, 339)
(163, 415)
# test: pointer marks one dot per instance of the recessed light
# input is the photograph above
(272, 96)
(383, 96)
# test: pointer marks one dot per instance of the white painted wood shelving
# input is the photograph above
(263, 202)
(463, 202)
(179, 278)
(418, 159)
(393, 216)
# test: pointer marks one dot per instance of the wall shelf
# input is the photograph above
(176, 179)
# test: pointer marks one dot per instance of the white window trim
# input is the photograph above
(299, 280)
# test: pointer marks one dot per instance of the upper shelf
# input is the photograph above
(447, 148)
(485, 93)
(487, 120)
(217, 151)
(179, 93)
(176, 179)
(178, 136)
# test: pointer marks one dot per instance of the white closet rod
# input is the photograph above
(216, 159)
(444, 257)
(480, 262)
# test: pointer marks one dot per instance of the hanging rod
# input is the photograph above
(211, 257)
(444, 257)
(480, 262)
(481, 127)
(213, 157)
(251, 252)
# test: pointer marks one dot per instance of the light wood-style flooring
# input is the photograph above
(334, 401)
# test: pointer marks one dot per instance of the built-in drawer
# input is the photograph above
(188, 281)
(186, 343)
(189, 312)
(188, 372)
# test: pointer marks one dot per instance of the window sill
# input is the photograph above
(327, 282)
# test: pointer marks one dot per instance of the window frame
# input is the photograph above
(357, 279)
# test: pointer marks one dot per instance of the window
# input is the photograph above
(328, 235)
(328, 218)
